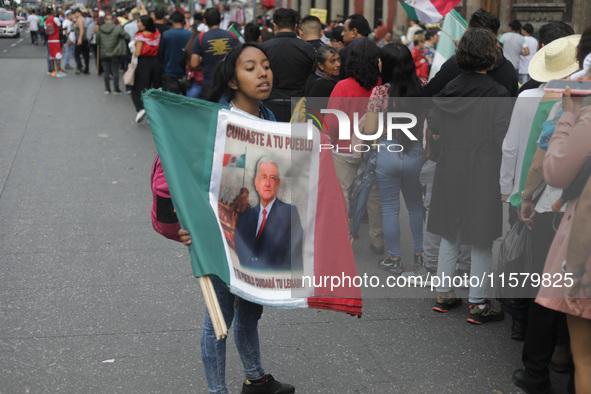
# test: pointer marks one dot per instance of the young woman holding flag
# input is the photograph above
(242, 80)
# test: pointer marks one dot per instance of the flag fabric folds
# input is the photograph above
(454, 25)
(210, 155)
(428, 11)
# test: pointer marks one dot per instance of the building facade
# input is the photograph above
(576, 13)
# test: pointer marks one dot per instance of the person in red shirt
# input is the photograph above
(52, 29)
(351, 96)
(380, 30)
(420, 62)
(147, 72)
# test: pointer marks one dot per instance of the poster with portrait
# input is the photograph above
(264, 204)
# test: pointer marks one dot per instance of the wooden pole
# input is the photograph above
(449, 35)
(213, 307)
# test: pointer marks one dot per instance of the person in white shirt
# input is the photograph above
(413, 29)
(532, 45)
(514, 45)
(70, 44)
(33, 26)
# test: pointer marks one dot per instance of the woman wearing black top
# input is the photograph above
(326, 73)
(471, 122)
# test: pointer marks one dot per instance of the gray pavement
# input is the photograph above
(92, 300)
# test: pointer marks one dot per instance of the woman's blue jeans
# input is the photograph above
(397, 172)
(194, 91)
(246, 316)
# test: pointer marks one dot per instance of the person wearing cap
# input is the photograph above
(557, 60)
(70, 38)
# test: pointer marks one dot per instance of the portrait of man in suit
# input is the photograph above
(269, 236)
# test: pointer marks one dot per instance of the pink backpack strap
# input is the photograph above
(164, 219)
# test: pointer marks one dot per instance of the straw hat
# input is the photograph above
(556, 60)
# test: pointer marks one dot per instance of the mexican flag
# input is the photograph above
(454, 25)
(428, 11)
(221, 206)
(236, 32)
(231, 160)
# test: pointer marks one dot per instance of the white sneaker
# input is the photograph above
(141, 115)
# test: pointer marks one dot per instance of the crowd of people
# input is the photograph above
(454, 177)
(455, 171)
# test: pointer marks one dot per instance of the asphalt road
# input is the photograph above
(92, 300)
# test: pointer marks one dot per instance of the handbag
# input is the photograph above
(186, 81)
(129, 76)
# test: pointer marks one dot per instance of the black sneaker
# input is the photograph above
(522, 380)
(393, 266)
(266, 385)
(420, 277)
(484, 315)
(117, 91)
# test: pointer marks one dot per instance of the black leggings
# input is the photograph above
(147, 75)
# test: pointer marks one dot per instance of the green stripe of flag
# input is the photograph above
(454, 25)
(237, 32)
(409, 10)
(186, 144)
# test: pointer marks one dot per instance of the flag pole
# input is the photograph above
(213, 306)
(449, 35)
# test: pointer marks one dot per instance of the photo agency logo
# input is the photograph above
(401, 121)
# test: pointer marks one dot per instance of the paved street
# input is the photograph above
(92, 300)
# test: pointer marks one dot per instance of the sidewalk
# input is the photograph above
(92, 300)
